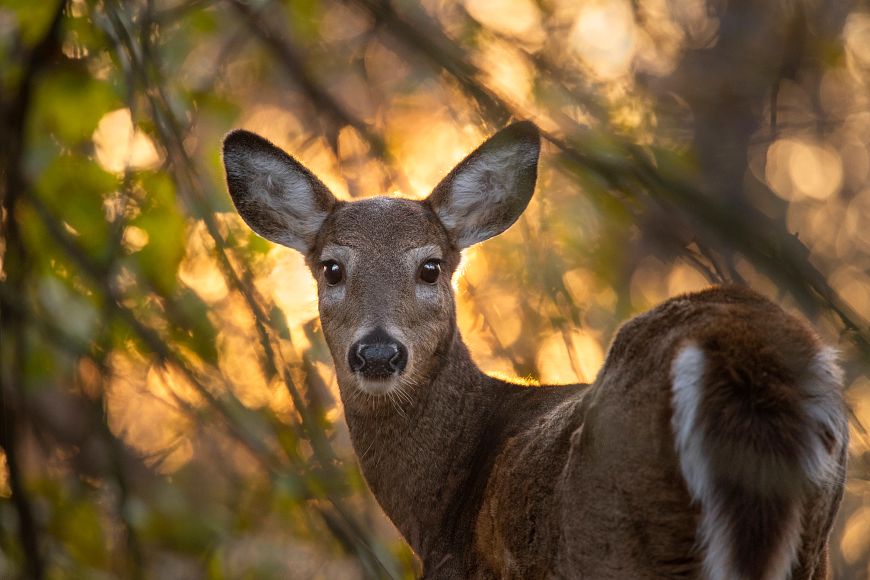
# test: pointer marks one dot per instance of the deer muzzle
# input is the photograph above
(377, 356)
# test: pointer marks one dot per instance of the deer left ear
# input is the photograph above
(276, 196)
(486, 193)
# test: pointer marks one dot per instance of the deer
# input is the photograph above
(712, 443)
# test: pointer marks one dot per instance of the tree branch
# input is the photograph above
(14, 118)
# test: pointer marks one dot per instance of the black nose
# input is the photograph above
(377, 356)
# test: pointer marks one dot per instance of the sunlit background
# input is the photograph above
(169, 406)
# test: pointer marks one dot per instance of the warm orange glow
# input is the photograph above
(520, 18)
(604, 237)
(5, 492)
(119, 145)
(508, 72)
(799, 168)
(857, 36)
(576, 359)
(604, 36)
(148, 414)
(198, 270)
(856, 538)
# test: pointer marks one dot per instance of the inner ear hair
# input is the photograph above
(278, 197)
(488, 190)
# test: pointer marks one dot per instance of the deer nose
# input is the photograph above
(377, 356)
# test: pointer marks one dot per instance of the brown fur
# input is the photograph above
(487, 479)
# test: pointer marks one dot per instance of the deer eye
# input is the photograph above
(429, 271)
(332, 272)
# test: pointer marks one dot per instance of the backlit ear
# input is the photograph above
(276, 196)
(486, 193)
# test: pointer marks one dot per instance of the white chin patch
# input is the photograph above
(377, 388)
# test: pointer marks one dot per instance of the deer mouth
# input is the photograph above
(378, 387)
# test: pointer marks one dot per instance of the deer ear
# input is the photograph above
(276, 196)
(486, 193)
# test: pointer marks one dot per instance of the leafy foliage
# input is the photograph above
(169, 407)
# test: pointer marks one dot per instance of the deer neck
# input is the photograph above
(421, 461)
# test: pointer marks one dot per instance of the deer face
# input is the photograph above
(383, 268)
(383, 265)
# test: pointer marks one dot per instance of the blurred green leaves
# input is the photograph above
(75, 189)
(212, 398)
(69, 103)
(159, 217)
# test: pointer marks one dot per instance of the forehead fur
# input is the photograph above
(388, 222)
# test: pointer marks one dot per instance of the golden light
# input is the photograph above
(853, 286)
(520, 18)
(135, 238)
(559, 365)
(856, 34)
(428, 146)
(856, 219)
(798, 169)
(5, 490)
(648, 286)
(815, 170)
(144, 411)
(362, 172)
(240, 353)
(544, 298)
(119, 145)
(683, 278)
(505, 322)
(513, 379)
(198, 270)
(293, 289)
(605, 37)
(858, 397)
(856, 538)
(578, 282)
(507, 72)
(282, 128)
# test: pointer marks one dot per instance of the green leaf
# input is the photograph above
(69, 103)
(257, 244)
(279, 322)
(197, 333)
(74, 189)
(319, 350)
(166, 227)
(33, 18)
(81, 532)
(305, 18)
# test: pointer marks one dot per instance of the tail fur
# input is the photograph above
(759, 425)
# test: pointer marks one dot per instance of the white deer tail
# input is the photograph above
(759, 426)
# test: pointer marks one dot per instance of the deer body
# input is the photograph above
(711, 445)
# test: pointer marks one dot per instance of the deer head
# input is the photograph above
(383, 265)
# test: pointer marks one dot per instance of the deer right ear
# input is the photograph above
(486, 193)
(276, 195)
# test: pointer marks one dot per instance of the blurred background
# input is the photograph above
(169, 408)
